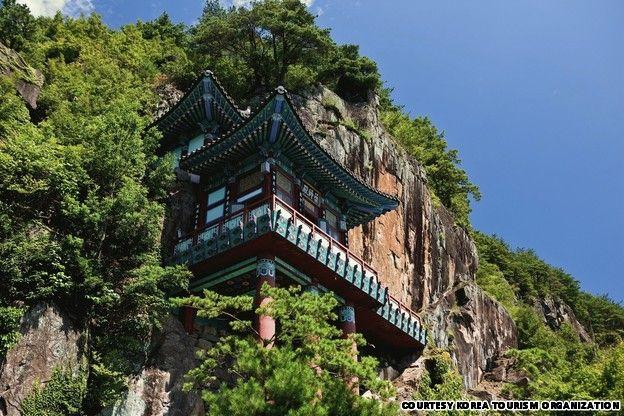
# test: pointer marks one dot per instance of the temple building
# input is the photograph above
(273, 206)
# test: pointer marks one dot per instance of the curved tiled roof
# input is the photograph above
(207, 83)
(307, 146)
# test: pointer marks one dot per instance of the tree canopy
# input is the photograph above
(277, 42)
(306, 372)
(17, 25)
(79, 189)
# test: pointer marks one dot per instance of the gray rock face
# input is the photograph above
(49, 341)
(157, 391)
(477, 327)
(555, 313)
(169, 95)
(427, 261)
(28, 81)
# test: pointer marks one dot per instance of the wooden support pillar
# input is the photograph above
(188, 318)
(264, 325)
(346, 320)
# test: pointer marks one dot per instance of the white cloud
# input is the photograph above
(78, 7)
(50, 7)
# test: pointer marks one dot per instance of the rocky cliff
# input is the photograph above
(424, 257)
(49, 341)
(28, 81)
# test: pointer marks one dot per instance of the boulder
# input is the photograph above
(28, 81)
(157, 390)
(49, 341)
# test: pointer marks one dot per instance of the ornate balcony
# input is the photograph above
(272, 224)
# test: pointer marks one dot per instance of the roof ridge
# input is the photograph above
(280, 90)
(215, 80)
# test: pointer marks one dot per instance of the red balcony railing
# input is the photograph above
(272, 203)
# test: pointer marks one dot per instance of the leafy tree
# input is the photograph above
(17, 25)
(350, 75)
(79, 192)
(171, 42)
(265, 40)
(305, 373)
(277, 42)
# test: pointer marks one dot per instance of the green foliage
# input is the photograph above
(171, 41)
(492, 280)
(80, 218)
(422, 140)
(303, 374)
(17, 25)
(603, 316)
(9, 328)
(558, 364)
(350, 75)
(62, 395)
(277, 42)
(298, 77)
(441, 381)
(80, 186)
(531, 277)
(562, 368)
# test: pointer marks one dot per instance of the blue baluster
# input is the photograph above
(366, 283)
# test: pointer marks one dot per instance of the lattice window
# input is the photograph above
(215, 205)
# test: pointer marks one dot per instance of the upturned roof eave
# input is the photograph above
(381, 202)
(190, 94)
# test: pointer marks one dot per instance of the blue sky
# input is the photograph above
(531, 92)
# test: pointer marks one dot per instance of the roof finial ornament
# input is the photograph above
(280, 90)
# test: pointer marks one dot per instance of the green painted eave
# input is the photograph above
(204, 106)
(275, 130)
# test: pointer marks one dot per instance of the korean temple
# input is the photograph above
(273, 206)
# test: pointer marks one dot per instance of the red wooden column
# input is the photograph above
(188, 318)
(346, 320)
(264, 325)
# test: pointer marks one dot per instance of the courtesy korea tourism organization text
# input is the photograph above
(512, 405)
